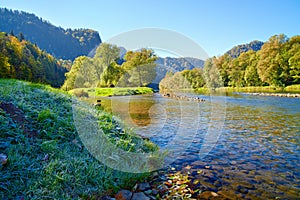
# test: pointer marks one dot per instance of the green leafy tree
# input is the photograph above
(194, 77)
(272, 65)
(111, 76)
(139, 67)
(294, 59)
(211, 73)
(76, 77)
(251, 76)
(105, 55)
(223, 65)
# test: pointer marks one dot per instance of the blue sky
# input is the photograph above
(216, 25)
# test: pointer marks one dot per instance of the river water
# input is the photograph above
(245, 146)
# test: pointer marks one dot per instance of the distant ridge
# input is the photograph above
(237, 50)
(61, 43)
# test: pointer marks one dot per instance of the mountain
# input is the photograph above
(20, 59)
(237, 50)
(180, 64)
(61, 43)
(174, 65)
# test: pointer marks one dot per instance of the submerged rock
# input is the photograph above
(140, 196)
(124, 194)
(143, 186)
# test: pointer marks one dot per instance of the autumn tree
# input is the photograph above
(25, 61)
(223, 65)
(272, 66)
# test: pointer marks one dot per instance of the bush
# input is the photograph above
(81, 93)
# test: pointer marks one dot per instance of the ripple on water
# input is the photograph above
(257, 156)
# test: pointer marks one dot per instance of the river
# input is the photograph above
(246, 146)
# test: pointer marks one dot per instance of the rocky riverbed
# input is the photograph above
(294, 95)
(172, 184)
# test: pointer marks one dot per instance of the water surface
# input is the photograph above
(245, 146)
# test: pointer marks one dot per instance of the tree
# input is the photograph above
(211, 74)
(251, 76)
(139, 67)
(22, 60)
(105, 55)
(272, 66)
(223, 65)
(5, 67)
(21, 37)
(111, 76)
(76, 77)
(194, 77)
(294, 59)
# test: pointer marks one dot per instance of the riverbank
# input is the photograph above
(107, 92)
(41, 154)
(263, 89)
(293, 95)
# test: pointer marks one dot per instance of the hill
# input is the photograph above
(23, 60)
(180, 64)
(61, 43)
(237, 50)
(174, 65)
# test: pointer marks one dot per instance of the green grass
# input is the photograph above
(293, 88)
(81, 92)
(53, 163)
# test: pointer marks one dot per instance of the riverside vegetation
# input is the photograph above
(41, 153)
(274, 67)
(100, 92)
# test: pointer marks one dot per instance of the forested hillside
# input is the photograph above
(239, 49)
(61, 43)
(23, 60)
(277, 63)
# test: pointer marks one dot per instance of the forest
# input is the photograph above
(62, 43)
(277, 64)
(20, 59)
(273, 63)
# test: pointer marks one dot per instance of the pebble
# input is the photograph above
(154, 192)
(124, 194)
(276, 94)
(143, 186)
(140, 196)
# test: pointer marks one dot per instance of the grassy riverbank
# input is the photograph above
(265, 89)
(41, 154)
(94, 92)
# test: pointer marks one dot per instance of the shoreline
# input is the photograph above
(290, 95)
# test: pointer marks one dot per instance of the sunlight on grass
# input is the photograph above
(94, 92)
(52, 162)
